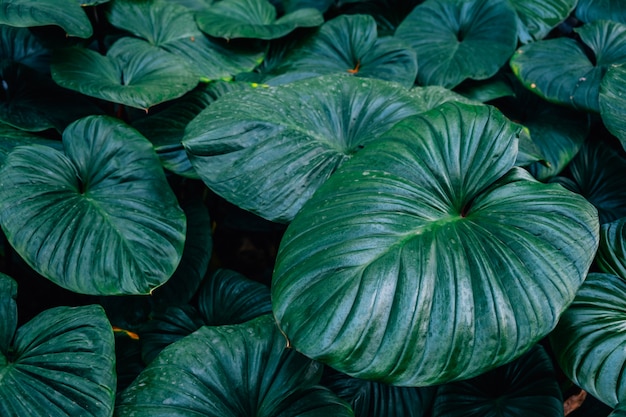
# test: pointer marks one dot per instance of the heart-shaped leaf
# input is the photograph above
(68, 14)
(236, 370)
(525, 387)
(592, 10)
(611, 256)
(172, 28)
(133, 73)
(303, 130)
(538, 17)
(454, 40)
(60, 363)
(589, 341)
(567, 71)
(350, 44)
(613, 101)
(253, 19)
(97, 219)
(433, 250)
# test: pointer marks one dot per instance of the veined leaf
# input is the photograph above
(592, 10)
(611, 256)
(67, 14)
(613, 101)
(19, 45)
(538, 17)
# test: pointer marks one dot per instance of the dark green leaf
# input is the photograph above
(350, 44)
(454, 40)
(589, 341)
(11, 138)
(19, 45)
(525, 387)
(8, 314)
(62, 364)
(567, 71)
(253, 19)
(64, 13)
(613, 101)
(592, 10)
(230, 371)
(538, 17)
(303, 130)
(132, 73)
(433, 250)
(97, 219)
(611, 257)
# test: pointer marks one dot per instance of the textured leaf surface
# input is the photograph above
(64, 13)
(19, 44)
(62, 364)
(229, 371)
(613, 101)
(172, 28)
(539, 17)
(350, 44)
(132, 73)
(592, 10)
(525, 387)
(611, 255)
(569, 72)
(11, 138)
(589, 341)
(433, 250)
(454, 40)
(303, 130)
(97, 219)
(253, 19)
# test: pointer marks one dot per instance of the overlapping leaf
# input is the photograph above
(613, 101)
(253, 19)
(592, 10)
(67, 14)
(538, 17)
(611, 255)
(454, 40)
(237, 370)
(99, 218)
(567, 71)
(433, 250)
(19, 45)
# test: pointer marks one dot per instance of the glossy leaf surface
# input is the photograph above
(434, 250)
(538, 17)
(613, 101)
(97, 219)
(592, 10)
(67, 14)
(611, 255)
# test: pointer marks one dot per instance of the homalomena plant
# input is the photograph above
(279, 108)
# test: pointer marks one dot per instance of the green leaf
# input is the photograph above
(64, 13)
(613, 101)
(8, 315)
(592, 10)
(237, 370)
(433, 250)
(538, 17)
(97, 219)
(19, 45)
(172, 28)
(62, 364)
(373, 399)
(566, 71)
(303, 130)
(527, 386)
(231, 19)
(589, 341)
(454, 39)
(611, 256)
(597, 173)
(350, 44)
(11, 138)
(132, 73)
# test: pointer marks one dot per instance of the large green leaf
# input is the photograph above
(253, 19)
(133, 73)
(350, 44)
(592, 10)
(567, 71)
(613, 101)
(433, 250)
(19, 44)
(539, 17)
(67, 14)
(611, 256)
(589, 341)
(11, 138)
(97, 219)
(172, 28)
(303, 130)
(374, 399)
(597, 173)
(454, 39)
(61, 363)
(525, 387)
(229, 371)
